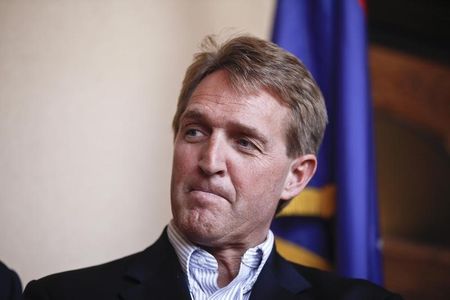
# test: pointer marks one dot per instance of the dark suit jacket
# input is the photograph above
(156, 274)
(10, 287)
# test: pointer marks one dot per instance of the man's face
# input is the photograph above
(230, 166)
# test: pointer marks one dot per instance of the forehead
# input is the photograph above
(215, 95)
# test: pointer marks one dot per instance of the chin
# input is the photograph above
(198, 228)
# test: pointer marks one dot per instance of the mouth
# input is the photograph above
(208, 192)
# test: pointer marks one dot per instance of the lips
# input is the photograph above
(209, 189)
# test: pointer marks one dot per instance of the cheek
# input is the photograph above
(261, 182)
(183, 160)
(180, 172)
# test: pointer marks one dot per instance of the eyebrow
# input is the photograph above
(235, 126)
(193, 114)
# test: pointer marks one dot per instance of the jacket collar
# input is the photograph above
(279, 279)
(157, 274)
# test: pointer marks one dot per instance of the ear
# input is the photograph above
(301, 171)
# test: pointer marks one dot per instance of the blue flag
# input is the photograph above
(333, 224)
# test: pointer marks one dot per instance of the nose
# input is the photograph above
(212, 160)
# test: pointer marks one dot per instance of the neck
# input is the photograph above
(229, 262)
(229, 258)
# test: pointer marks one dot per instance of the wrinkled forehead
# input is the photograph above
(220, 88)
(243, 87)
(246, 85)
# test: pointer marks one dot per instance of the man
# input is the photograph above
(247, 128)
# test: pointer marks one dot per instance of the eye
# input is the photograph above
(246, 144)
(193, 134)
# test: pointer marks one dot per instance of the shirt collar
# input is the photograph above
(254, 257)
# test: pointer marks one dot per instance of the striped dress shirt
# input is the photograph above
(201, 268)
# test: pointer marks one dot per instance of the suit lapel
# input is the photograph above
(279, 280)
(156, 274)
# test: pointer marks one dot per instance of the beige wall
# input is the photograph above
(87, 91)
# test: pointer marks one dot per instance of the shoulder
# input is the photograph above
(104, 281)
(105, 278)
(328, 285)
(10, 287)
